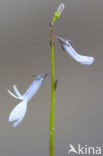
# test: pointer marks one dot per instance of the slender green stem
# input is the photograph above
(52, 108)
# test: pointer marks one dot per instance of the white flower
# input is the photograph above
(84, 60)
(19, 111)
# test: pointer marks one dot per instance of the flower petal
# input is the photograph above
(13, 94)
(18, 95)
(18, 113)
(17, 92)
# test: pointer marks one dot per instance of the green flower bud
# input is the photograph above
(58, 12)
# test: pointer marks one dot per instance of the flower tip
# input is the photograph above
(61, 40)
(15, 124)
(91, 60)
(85, 60)
(46, 74)
(61, 8)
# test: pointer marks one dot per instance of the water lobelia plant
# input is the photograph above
(19, 111)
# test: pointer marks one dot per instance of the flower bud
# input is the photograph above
(58, 12)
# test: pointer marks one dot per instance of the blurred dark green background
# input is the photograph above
(25, 51)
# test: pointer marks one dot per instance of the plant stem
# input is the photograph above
(52, 108)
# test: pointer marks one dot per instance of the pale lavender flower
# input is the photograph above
(19, 111)
(84, 60)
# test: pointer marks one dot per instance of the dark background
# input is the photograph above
(25, 51)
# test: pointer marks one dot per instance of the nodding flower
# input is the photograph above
(84, 60)
(19, 111)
